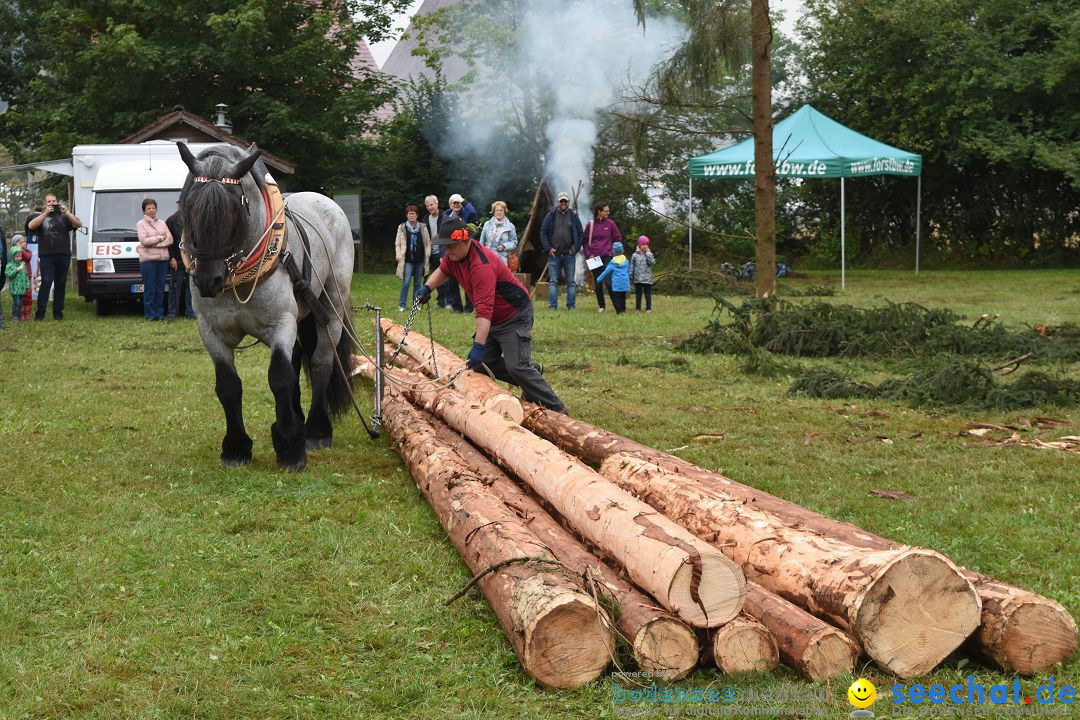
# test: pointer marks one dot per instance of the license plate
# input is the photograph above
(136, 287)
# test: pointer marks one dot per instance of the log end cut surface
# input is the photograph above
(917, 611)
(505, 405)
(829, 656)
(744, 646)
(709, 597)
(567, 644)
(666, 648)
(1037, 637)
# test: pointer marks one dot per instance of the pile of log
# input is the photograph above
(585, 542)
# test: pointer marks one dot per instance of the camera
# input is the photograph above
(55, 207)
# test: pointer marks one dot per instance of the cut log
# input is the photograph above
(687, 576)
(744, 645)
(478, 387)
(555, 628)
(809, 645)
(1019, 630)
(908, 608)
(660, 643)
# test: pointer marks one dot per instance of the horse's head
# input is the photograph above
(218, 218)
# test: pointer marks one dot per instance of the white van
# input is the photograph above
(109, 185)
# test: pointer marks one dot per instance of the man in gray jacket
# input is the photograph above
(561, 235)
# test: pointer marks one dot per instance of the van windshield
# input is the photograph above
(118, 212)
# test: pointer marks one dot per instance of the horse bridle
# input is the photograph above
(222, 253)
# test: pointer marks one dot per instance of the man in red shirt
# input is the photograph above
(504, 312)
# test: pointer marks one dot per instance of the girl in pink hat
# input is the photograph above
(641, 265)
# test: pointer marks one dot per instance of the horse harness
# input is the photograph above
(269, 252)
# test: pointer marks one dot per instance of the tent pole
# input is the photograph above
(690, 263)
(918, 221)
(842, 237)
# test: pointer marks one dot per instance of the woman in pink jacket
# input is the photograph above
(154, 241)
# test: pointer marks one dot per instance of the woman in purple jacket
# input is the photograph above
(600, 234)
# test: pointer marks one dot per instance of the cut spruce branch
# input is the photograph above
(744, 645)
(1019, 630)
(908, 608)
(560, 635)
(808, 645)
(660, 643)
(687, 576)
(476, 386)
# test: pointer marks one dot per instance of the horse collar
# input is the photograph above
(263, 258)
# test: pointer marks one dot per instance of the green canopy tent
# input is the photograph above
(808, 144)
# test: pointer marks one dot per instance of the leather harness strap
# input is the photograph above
(265, 257)
(301, 279)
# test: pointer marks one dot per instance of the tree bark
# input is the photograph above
(810, 646)
(764, 172)
(687, 576)
(473, 385)
(908, 608)
(660, 643)
(555, 629)
(744, 645)
(1018, 629)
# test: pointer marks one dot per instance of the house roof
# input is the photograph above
(364, 62)
(403, 64)
(182, 125)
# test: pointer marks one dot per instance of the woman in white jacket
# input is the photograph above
(499, 234)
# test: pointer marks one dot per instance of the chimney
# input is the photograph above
(223, 117)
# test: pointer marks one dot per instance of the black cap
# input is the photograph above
(451, 225)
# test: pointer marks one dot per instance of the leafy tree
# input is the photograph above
(398, 166)
(97, 70)
(987, 90)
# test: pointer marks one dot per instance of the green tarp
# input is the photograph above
(808, 144)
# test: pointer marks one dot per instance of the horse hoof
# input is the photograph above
(319, 443)
(235, 460)
(293, 466)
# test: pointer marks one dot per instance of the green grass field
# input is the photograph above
(140, 580)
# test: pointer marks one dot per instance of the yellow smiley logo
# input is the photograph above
(862, 693)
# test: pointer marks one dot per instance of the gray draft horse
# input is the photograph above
(225, 210)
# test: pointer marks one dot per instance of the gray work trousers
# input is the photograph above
(508, 354)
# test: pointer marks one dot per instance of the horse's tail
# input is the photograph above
(339, 390)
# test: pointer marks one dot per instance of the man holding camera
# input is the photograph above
(53, 228)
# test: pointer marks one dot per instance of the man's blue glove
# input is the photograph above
(423, 294)
(476, 356)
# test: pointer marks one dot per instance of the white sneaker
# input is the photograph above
(600, 310)
(401, 308)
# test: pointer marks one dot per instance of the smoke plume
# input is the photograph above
(580, 54)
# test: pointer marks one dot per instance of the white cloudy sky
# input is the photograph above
(381, 50)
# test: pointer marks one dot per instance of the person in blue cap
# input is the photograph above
(619, 272)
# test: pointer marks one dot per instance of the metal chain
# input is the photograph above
(408, 326)
(431, 337)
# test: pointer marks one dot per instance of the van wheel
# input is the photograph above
(102, 307)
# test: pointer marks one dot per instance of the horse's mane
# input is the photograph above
(211, 213)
